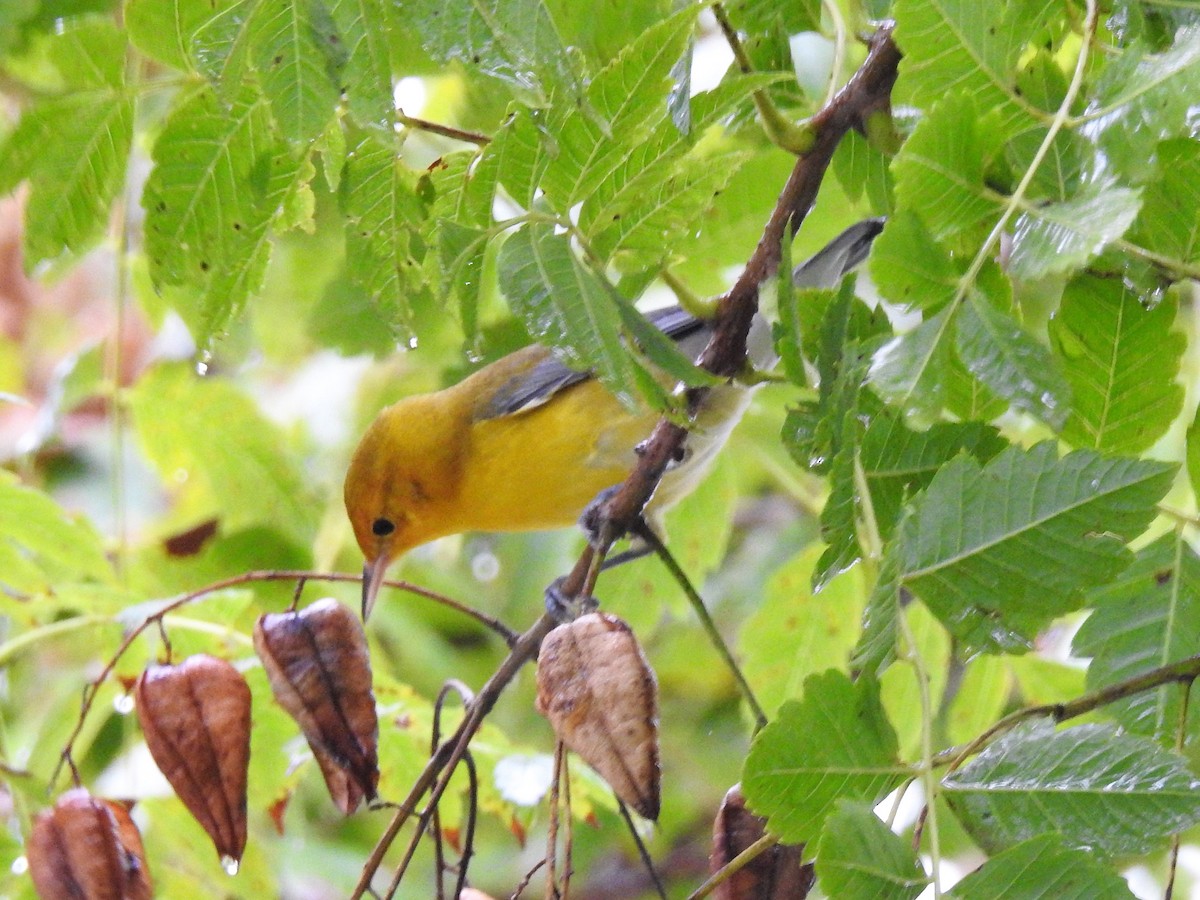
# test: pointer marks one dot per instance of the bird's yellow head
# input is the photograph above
(399, 481)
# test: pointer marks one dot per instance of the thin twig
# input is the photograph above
(641, 848)
(647, 534)
(437, 772)
(735, 865)
(458, 134)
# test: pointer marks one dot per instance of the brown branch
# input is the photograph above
(458, 134)
(866, 93)
(156, 619)
(725, 355)
(1185, 671)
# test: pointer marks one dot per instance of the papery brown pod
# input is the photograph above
(777, 873)
(87, 847)
(599, 693)
(196, 720)
(317, 663)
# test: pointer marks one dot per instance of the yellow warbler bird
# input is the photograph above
(526, 443)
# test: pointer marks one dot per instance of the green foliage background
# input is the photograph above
(228, 229)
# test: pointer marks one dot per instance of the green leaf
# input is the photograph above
(1144, 97)
(961, 45)
(1070, 155)
(1192, 455)
(1149, 616)
(164, 29)
(385, 217)
(980, 699)
(210, 439)
(518, 154)
(996, 552)
(219, 181)
(1165, 225)
(299, 56)
(910, 268)
(74, 151)
(909, 371)
(834, 744)
(1060, 237)
(1007, 358)
(1042, 868)
(622, 105)
(860, 858)
(555, 294)
(41, 546)
(940, 168)
(514, 41)
(795, 633)
(895, 462)
(73, 148)
(367, 75)
(1121, 359)
(1110, 791)
(657, 206)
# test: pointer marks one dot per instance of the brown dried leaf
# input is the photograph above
(345, 792)
(87, 847)
(196, 719)
(777, 873)
(599, 693)
(317, 663)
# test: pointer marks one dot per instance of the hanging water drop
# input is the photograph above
(230, 865)
(123, 704)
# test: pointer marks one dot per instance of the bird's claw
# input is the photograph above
(565, 608)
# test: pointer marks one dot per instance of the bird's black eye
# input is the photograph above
(382, 527)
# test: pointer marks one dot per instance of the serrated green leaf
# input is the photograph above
(514, 41)
(1111, 791)
(860, 858)
(657, 209)
(518, 154)
(554, 293)
(996, 552)
(219, 181)
(796, 633)
(74, 151)
(299, 56)
(1148, 616)
(894, 462)
(834, 744)
(621, 106)
(940, 168)
(1070, 155)
(909, 371)
(910, 268)
(40, 543)
(876, 648)
(1010, 361)
(87, 53)
(970, 47)
(384, 246)
(980, 698)
(367, 73)
(1121, 360)
(222, 46)
(210, 439)
(1060, 237)
(1165, 224)
(1144, 97)
(1042, 868)
(164, 29)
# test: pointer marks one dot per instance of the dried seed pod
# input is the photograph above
(317, 663)
(87, 847)
(599, 693)
(778, 873)
(196, 719)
